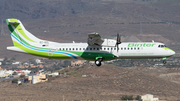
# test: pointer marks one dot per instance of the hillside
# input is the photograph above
(156, 20)
(106, 82)
(38, 9)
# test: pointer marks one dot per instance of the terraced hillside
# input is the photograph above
(106, 82)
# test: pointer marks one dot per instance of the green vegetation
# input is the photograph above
(14, 80)
(126, 97)
(130, 97)
(15, 73)
(138, 97)
(63, 71)
(67, 63)
(22, 76)
(74, 73)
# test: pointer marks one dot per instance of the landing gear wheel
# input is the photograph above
(164, 61)
(98, 62)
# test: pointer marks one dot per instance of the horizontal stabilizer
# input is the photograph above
(12, 48)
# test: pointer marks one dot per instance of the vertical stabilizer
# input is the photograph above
(19, 34)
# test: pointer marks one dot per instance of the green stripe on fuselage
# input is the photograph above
(167, 48)
(42, 54)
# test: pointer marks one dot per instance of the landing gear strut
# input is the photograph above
(98, 62)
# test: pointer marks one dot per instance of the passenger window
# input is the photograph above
(107, 48)
(90, 48)
(124, 48)
(66, 48)
(76, 48)
(104, 48)
(121, 48)
(138, 48)
(59, 48)
(63, 48)
(131, 48)
(79, 48)
(73, 48)
(86, 48)
(134, 48)
(69, 48)
(111, 48)
(97, 48)
(128, 48)
(114, 48)
(83, 48)
(94, 48)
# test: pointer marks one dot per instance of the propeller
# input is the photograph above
(118, 41)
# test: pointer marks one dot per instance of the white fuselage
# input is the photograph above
(126, 49)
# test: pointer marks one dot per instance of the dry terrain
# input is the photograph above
(105, 82)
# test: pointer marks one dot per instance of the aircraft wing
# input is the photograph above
(95, 39)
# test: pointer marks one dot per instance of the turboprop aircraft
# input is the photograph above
(96, 49)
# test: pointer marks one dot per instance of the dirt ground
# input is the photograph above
(107, 82)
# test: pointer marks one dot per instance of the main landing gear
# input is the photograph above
(164, 61)
(98, 62)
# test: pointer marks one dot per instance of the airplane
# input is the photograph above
(96, 49)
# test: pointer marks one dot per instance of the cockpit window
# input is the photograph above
(162, 46)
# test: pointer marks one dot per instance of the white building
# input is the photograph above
(148, 97)
(26, 72)
(1, 59)
(16, 63)
(54, 74)
(2, 73)
(5, 73)
(38, 61)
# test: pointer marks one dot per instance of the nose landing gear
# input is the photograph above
(164, 60)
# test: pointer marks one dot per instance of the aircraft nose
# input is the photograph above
(173, 52)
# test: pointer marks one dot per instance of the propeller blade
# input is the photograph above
(118, 41)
